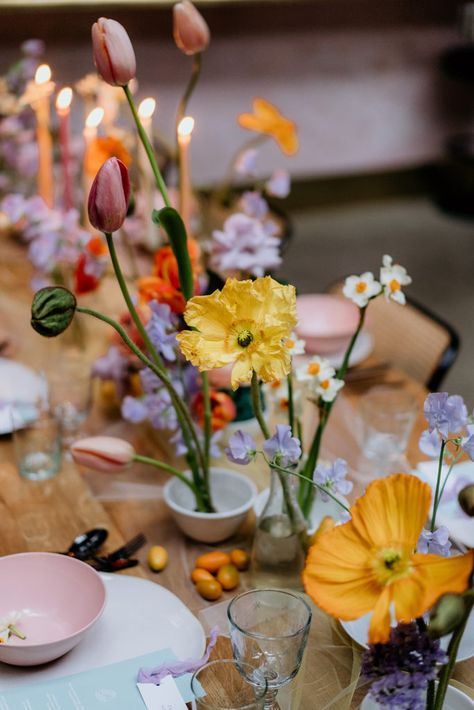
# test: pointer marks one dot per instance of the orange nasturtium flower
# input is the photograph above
(370, 562)
(266, 118)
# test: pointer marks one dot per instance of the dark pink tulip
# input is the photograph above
(109, 196)
(114, 57)
(190, 29)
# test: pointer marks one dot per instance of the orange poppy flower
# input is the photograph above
(153, 288)
(266, 118)
(223, 409)
(101, 149)
(370, 562)
(166, 266)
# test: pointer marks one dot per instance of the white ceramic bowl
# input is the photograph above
(233, 496)
(59, 599)
(326, 323)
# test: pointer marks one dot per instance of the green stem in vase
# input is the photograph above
(160, 183)
(257, 406)
(174, 472)
(291, 404)
(438, 484)
(207, 423)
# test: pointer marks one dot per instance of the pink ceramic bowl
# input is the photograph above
(325, 322)
(59, 599)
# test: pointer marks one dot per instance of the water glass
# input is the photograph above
(388, 415)
(70, 394)
(222, 685)
(268, 630)
(37, 448)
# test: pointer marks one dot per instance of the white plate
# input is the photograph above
(454, 700)
(359, 631)
(20, 388)
(450, 513)
(140, 617)
(319, 510)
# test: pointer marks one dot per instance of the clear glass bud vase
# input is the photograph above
(278, 552)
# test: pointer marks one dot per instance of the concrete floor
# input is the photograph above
(437, 250)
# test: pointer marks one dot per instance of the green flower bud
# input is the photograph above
(52, 310)
(446, 615)
(466, 499)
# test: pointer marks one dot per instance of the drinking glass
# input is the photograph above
(222, 685)
(388, 414)
(37, 448)
(268, 630)
(70, 394)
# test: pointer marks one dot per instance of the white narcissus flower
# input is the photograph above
(393, 277)
(294, 346)
(318, 368)
(328, 388)
(360, 289)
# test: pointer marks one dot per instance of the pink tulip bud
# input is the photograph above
(109, 196)
(114, 57)
(190, 29)
(103, 453)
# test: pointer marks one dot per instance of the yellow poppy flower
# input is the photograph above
(370, 562)
(266, 118)
(244, 324)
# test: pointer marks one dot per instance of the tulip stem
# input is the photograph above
(160, 183)
(188, 92)
(179, 405)
(174, 472)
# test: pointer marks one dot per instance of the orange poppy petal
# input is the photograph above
(408, 596)
(379, 628)
(443, 574)
(287, 139)
(393, 510)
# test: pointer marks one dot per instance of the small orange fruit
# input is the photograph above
(209, 589)
(157, 558)
(240, 559)
(228, 576)
(198, 574)
(213, 560)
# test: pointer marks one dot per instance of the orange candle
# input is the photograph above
(146, 109)
(63, 107)
(41, 108)
(93, 121)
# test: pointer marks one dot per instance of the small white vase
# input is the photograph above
(233, 495)
(455, 700)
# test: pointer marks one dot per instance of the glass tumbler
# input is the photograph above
(222, 685)
(70, 394)
(268, 630)
(37, 448)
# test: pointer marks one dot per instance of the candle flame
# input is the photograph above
(43, 74)
(64, 98)
(185, 126)
(147, 108)
(95, 117)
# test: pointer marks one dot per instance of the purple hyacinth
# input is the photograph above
(333, 478)
(242, 448)
(445, 413)
(282, 448)
(402, 668)
(435, 543)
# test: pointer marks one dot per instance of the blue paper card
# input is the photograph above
(112, 687)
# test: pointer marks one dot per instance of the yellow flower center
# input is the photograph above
(290, 343)
(324, 384)
(361, 287)
(395, 285)
(391, 564)
(314, 368)
(244, 338)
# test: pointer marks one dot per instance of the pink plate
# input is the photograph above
(59, 599)
(325, 322)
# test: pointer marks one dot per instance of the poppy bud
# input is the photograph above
(466, 499)
(109, 196)
(103, 453)
(114, 57)
(446, 615)
(52, 310)
(190, 29)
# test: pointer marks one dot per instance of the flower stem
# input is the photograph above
(188, 92)
(291, 404)
(450, 470)
(257, 406)
(313, 483)
(160, 183)
(174, 471)
(207, 423)
(452, 653)
(438, 483)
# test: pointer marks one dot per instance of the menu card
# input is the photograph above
(113, 686)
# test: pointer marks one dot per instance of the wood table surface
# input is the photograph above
(47, 515)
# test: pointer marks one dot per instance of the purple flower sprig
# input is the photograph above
(332, 479)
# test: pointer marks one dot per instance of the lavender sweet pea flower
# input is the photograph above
(134, 410)
(246, 163)
(435, 543)
(244, 245)
(468, 447)
(279, 184)
(445, 413)
(254, 205)
(242, 448)
(333, 478)
(282, 448)
(113, 366)
(430, 443)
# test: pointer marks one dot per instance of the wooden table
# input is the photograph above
(48, 515)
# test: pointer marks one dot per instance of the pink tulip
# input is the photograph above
(109, 196)
(114, 57)
(103, 453)
(190, 29)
